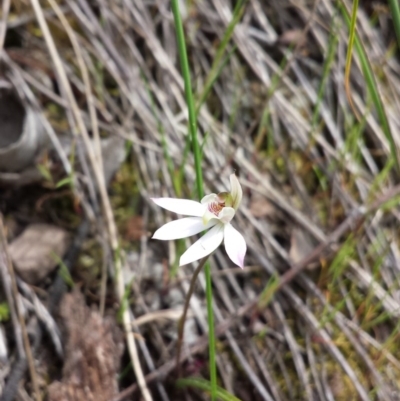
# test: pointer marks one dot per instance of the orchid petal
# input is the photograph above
(236, 191)
(182, 228)
(207, 216)
(209, 199)
(226, 215)
(185, 207)
(235, 245)
(204, 246)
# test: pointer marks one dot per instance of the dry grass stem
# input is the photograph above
(314, 314)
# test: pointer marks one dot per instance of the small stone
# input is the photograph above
(35, 253)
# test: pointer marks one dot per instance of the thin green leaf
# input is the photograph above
(63, 271)
(206, 386)
(372, 88)
(395, 10)
(64, 181)
(45, 172)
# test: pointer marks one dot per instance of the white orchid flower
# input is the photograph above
(214, 212)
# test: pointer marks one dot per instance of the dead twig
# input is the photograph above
(181, 324)
(3, 22)
(13, 295)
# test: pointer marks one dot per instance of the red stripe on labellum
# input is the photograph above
(215, 207)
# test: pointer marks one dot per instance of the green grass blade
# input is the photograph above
(329, 59)
(349, 56)
(205, 385)
(395, 10)
(217, 64)
(372, 88)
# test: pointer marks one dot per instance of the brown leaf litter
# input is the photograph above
(92, 354)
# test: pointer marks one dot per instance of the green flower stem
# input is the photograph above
(180, 36)
(199, 182)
